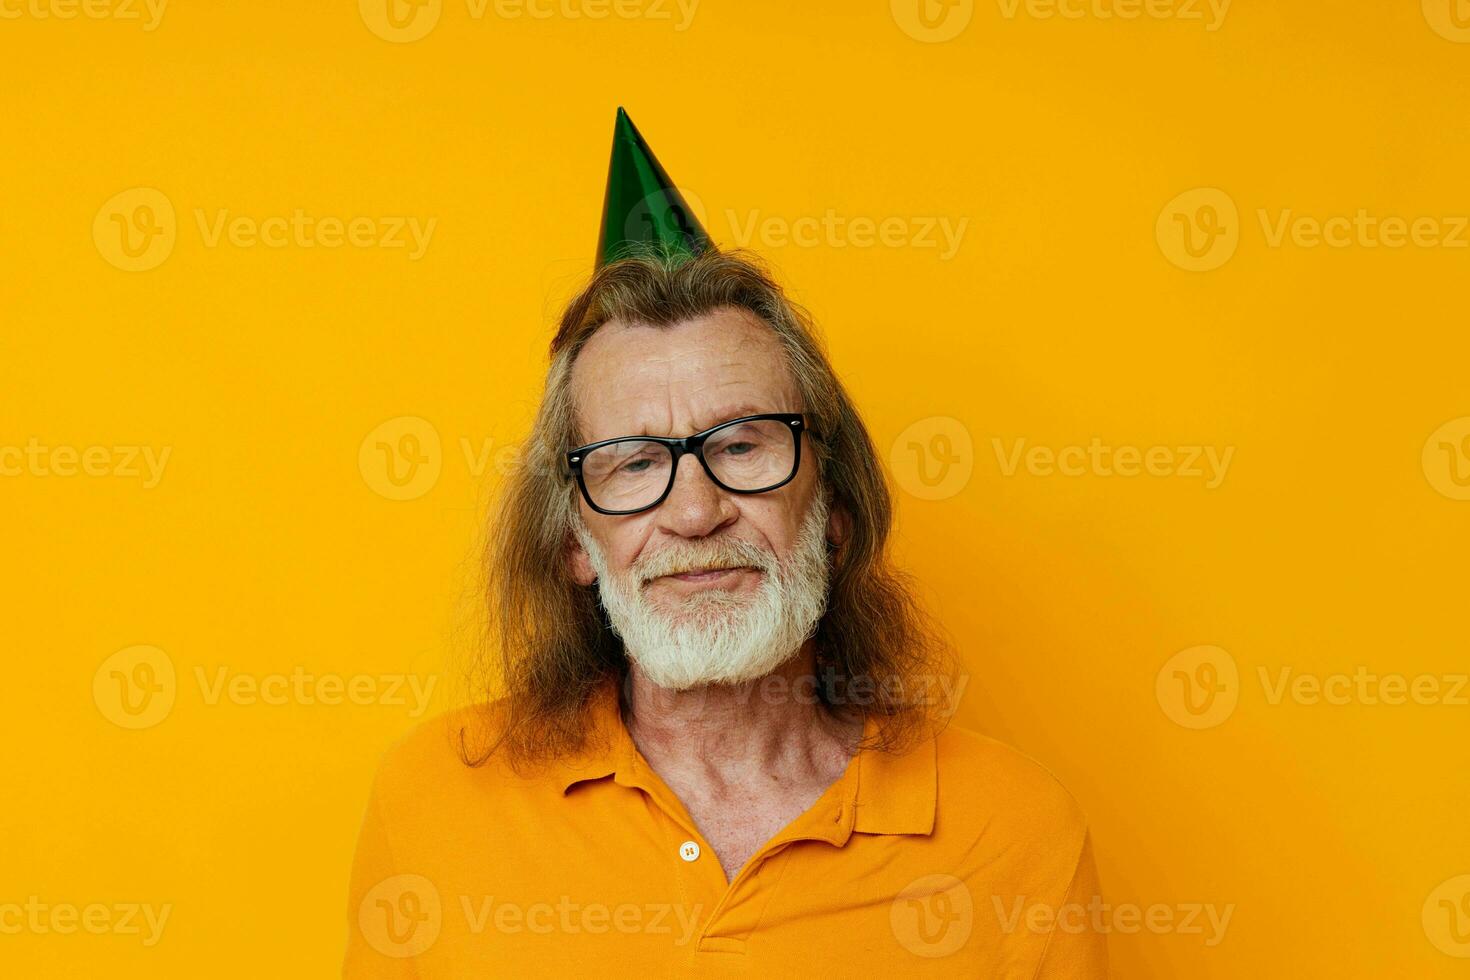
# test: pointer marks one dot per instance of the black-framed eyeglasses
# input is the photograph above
(751, 454)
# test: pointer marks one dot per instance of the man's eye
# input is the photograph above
(635, 466)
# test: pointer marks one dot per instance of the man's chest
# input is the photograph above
(737, 824)
(566, 898)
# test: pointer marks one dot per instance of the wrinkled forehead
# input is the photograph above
(673, 380)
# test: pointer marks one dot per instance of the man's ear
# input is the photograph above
(839, 526)
(579, 566)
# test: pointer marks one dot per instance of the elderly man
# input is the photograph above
(718, 742)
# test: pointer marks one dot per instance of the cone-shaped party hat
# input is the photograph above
(642, 206)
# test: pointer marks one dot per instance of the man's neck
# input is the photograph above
(726, 732)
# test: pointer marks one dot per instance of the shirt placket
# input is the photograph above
(732, 909)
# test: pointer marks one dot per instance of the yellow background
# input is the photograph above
(267, 547)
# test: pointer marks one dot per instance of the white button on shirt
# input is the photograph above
(689, 851)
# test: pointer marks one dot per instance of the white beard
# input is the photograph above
(718, 636)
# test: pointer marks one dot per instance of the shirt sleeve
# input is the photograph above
(374, 948)
(1076, 948)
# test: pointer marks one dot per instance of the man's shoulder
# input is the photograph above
(983, 779)
(440, 752)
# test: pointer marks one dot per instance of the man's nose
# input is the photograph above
(696, 505)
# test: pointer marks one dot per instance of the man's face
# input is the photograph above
(725, 627)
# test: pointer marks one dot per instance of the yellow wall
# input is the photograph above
(1067, 154)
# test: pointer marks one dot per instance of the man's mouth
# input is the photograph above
(710, 575)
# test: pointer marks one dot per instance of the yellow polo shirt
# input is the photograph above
(961, 857)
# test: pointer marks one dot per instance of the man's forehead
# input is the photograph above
(645, 380)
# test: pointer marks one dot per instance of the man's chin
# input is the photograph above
(692, 679)
(701, 608)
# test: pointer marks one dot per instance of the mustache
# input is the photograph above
(678, 561)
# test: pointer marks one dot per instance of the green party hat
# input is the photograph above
(642, 206)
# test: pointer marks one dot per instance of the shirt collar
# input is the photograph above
(890, 794)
